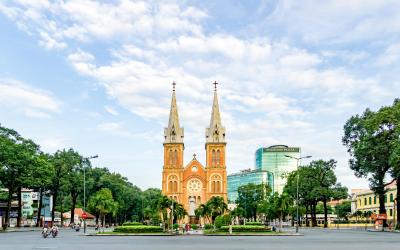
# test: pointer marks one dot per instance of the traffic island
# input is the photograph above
(246, 230)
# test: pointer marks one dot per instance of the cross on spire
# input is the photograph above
(173, 85)
(194, 156)
(215, 85)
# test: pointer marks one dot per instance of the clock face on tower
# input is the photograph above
(194, 185)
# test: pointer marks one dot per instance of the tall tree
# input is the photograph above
(62, 162)
(74, 180)
(393, 114)
(17, 155)
(103, 203)
(250, 196)
(368, 138)
(326, 187)
(41, 180)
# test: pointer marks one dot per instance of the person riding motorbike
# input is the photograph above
(77, 227)
(54, 231)
(45, 231)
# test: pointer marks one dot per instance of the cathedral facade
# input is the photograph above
(194, 183)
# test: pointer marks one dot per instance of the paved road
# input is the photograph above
(313, 239)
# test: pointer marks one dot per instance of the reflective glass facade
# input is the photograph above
(272, 159)
(245, 177)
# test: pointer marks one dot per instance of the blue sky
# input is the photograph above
(96, 75)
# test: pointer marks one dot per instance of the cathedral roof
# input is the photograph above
(216, 132)
(173, 133)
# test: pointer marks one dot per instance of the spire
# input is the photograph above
(216, 132)
(174, 133)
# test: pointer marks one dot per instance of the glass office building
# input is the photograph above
(273, 160)
(245, 177)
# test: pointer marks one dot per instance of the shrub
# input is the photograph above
(130, 223)
(241, 228)
(254, 223)
(208, 226)
(194, 226)
(222, 221)
(138, 229)
(175, 226)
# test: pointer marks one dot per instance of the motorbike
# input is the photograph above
(45, 232)
(54, 232)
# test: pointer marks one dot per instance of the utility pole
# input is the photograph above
(298, 159)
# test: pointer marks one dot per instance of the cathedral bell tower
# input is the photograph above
(215, 153)
(173, 154)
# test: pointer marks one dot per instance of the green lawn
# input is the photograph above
(111, 233)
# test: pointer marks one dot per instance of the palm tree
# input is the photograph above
(217, 206)
(164, 204)
(179, 211)
(203, 211)
(283, 202)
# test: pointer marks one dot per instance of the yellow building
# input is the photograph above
(366, 200)
(193, 184)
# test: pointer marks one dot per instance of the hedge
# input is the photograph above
(138, 229)
(245, 228)
(208, 226)
(134, 223)
(194, 226)
(254, 223)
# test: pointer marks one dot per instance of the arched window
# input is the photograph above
(391, 198)
(173, 183)
(170, 187)
(218, 157)
(216, 181)
(213, 157)
(175, 160)
(170, 157)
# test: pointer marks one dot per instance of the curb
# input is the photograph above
(263, 235)
(129, 235)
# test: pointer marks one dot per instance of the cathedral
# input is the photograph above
(194, 184)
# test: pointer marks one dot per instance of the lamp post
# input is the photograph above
(84, 188)
(297, 187)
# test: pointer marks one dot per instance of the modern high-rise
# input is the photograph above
(273, 159)
(245, 177)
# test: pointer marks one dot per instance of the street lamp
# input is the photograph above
(297, 187)
(84, 188)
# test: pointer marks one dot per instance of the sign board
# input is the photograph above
(84, 215)
(281, 149)
(379, 216)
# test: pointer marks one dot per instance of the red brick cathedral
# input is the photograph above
(193, 184)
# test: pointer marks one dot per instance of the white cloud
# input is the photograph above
(390, 56)
(335, 22)
(56, 23)
(272, 90)
(111, 110)
(30, 101)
